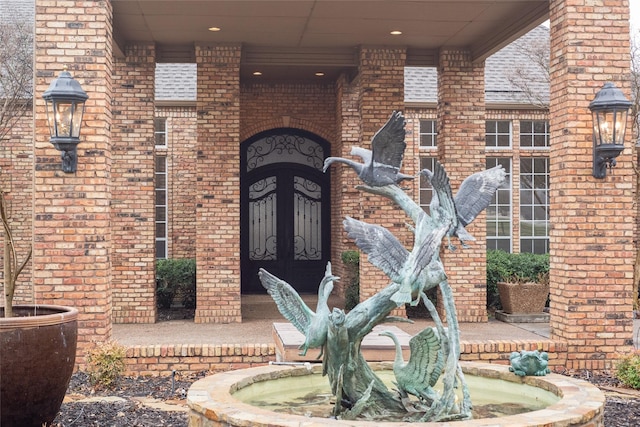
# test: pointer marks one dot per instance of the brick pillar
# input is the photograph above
(345, 199)
(592, 226)
(461, 145)
(218, 176)
(381, 76)
(133, 196)
(71, 232)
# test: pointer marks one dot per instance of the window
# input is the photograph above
(428, 133)
(534, 205)
(498, 133)
(426, 191)
(534, 134)
(161, 206)
(499, 211)
(160, 131)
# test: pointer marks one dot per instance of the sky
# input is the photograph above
(634, 5)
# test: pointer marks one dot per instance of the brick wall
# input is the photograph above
(265, 106)
(132, 177)
(72, 234)
(218, 184)
(159, 360)
(461, 146)
(16, 180)
(592, 250)
(162, 360)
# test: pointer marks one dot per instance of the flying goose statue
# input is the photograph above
(313, 325)
(475, 195)
(381, 165)
(415, 271)
(421, 372)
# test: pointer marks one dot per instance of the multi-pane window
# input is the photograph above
(498, 133)
(534, 134)
(161, 206)
(426, 191)
(534, 205)
(428, 133)
(499, 211)
(160, 131)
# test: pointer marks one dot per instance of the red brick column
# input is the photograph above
(461, 146)
(345, 199)
(381, 78)
(218, 176)
(71, 229)
(592, 220)
(132, 175)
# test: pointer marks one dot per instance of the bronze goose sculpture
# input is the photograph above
(381, 165)
(421, 372)
(312, 324)
(474, 195)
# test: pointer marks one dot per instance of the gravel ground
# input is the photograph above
(622, 406)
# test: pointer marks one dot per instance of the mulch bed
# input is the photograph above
(622, 407)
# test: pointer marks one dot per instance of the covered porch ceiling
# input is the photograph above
(294, 40)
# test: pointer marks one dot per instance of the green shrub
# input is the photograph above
(351, 260)
(522, 267)
(628, 370)
(105, 364)
(176, 277)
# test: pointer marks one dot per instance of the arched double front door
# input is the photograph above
(285, 217)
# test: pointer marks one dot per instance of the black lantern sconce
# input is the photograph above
(65, 106)
(609, 111)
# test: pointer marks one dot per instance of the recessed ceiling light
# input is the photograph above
(214, 29)
(257, 73)
(395, 33)
(319, 74)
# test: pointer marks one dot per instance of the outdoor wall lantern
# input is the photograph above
(609, 111)
(65, 107)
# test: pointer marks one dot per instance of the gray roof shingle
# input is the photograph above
(17, 10)
(176, 82)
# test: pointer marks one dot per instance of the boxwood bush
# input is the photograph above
(521, 267)
(351, 260)
(176, 278)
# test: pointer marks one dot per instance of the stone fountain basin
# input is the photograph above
(212, 403)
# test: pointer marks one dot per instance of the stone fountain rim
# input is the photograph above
(580, 402)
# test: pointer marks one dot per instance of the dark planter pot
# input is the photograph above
(523, 297)
(37, 357)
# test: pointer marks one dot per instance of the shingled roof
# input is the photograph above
(176, 82)
(17, 10)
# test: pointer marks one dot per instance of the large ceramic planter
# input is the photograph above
(526, 298)
(37, 357)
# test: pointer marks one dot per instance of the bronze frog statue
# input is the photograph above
(529, 363)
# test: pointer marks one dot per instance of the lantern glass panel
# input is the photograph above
(64, 116)
(50, 121)
(610, 125)
(77, 119)
(620, 121)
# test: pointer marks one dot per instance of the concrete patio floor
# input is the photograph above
(259, 312)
